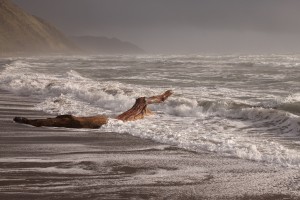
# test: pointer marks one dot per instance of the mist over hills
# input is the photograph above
(105, 45)
(22, 33)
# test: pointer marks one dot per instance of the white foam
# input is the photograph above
(206, 136)
(199, 118)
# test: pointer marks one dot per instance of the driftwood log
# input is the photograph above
(138, 111)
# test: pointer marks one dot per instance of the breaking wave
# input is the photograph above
(229, 126)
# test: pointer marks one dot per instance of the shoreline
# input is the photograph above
(58, 163)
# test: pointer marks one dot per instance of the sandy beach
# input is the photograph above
(53, 163)
(221, 78)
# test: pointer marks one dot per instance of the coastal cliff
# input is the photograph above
(22, 33)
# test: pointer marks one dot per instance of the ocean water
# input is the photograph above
(241, 106)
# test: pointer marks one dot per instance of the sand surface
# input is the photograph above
(56, 163)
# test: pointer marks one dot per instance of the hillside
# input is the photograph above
(104, 45)
(22, 33)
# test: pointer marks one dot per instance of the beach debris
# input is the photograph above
(138, 111)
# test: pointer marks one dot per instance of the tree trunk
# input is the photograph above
(138, 111)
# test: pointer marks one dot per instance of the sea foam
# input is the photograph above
(198, 118)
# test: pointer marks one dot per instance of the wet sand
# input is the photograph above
(56, 163)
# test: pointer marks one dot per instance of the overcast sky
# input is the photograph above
(180, 26)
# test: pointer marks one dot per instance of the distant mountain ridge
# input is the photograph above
(22, 33)
(105, 45)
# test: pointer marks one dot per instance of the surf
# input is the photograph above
(212, 109)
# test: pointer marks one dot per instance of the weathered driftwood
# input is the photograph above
(68, 121)
(138, 111)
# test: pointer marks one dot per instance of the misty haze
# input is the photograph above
(156, 99)
(175, 26)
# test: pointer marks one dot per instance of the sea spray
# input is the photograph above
(231, 105)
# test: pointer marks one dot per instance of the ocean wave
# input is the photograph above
(71, 93)
(22, 78)
(291, 103)
(199, 118)
(291, 107)
(213, 135)
(284, 122)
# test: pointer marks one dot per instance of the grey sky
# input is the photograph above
(184, 26)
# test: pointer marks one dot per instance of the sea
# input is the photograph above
(243, 106)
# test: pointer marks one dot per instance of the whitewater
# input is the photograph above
(245, 106)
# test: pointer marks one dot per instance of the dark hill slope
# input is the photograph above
(22, 33)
